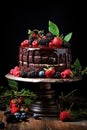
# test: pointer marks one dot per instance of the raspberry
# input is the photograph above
(66, 73)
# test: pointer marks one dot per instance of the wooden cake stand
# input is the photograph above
(46, 103)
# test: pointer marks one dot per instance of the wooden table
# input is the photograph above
(44, 123)
(46, 104)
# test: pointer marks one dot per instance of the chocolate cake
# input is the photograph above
(44, 54)
(41, 57)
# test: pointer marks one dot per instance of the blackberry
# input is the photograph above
(49, 36)
(43, 41)
(24, 74)
(66, 44)
(31, 39)
(32, 74)
(10, 118)
(2, 125)
(57, 75)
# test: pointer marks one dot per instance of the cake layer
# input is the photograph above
(41, 57)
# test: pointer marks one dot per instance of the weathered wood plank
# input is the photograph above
(44, 124)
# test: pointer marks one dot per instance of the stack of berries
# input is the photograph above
(52, 38)
(16, 112)
(49, 72)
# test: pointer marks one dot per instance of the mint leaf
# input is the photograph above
(29, 31)
(13, 84)
(68, 37)
(53, 28)
(76, 65)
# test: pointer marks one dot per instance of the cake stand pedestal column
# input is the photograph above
(46, 103)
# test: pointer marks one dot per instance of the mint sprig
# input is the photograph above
(53, 28)
(68, 37)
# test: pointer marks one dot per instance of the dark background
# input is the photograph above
(18, 18)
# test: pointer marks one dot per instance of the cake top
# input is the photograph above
(51, 39)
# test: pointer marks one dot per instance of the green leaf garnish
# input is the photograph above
(53, 28)
(29, 31)
(68, 37)
(76, 65)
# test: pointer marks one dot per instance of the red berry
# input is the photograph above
(25, 43)
(66, 73)
(50, 72)
(17, 73)
(13, 105)
(14, 109)
(20, 100)
(11, 71)
(57, 41)
(35, 43)
(34, 35)
(51, 44)
(16, 68)
(65, 116)
(13, 101)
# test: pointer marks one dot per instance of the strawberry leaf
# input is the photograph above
(53, 28)
(68, 37)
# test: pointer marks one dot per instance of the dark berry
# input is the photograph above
(10, 118)
(41, 74)
(31, 39)
(17, 116)
(23, 116)
(24, 74)
(43, 41)
(2, 125)
(66, 44)
(7, 112)
(49, 36)
(57, 75)
(32, 74)
(36, 116)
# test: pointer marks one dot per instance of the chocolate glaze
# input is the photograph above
(41, 57)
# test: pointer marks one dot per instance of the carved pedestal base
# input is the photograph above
(46, 104)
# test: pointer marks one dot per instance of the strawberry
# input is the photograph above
(65, 116)
(14, 105)
(13, 101)
(50, 72)
(57, 42)
(51, 44)
(14, 109)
